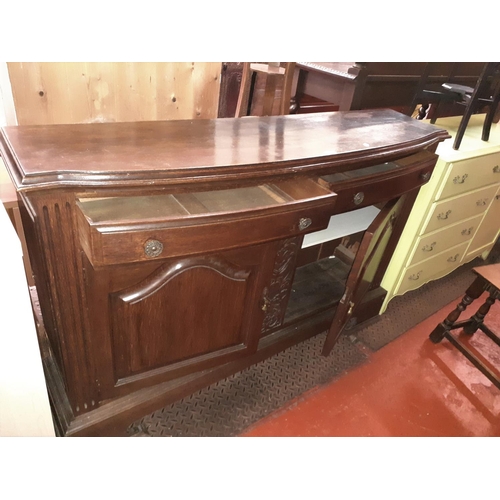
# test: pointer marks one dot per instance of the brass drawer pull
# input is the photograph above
(153, 248)
(358, 198)
(444, 215)
(496, 169)
(304, 223)
(482, 203)
(415, 277)
(460, 180)
(429, 248)
(453, 259)
(466, 232)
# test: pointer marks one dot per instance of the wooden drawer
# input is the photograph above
(490, 226)
(379, 182)
(470, 174)
(438, 241)
(453, 210)
(419, 274)
(132, 229)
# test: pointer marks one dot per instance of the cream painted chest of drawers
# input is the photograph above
(456, 216)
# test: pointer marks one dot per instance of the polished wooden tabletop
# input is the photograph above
(104, 152)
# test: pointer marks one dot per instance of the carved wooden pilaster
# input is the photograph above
(278, 291)
(56, 230)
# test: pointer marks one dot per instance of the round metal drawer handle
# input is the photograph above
(358, 198)
(304, 223)
(153, 248)
(425, 176)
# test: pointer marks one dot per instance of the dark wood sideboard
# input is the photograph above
(166, 254)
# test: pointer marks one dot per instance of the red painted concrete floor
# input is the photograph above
(411, 387)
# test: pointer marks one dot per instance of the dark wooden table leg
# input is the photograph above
(471, 294)
(477, 320)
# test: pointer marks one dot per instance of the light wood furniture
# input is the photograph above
(487, 280)
(165, 253)
(85, 92)
(276, 89)
(456, 215)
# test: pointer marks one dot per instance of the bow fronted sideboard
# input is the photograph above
(167, 255)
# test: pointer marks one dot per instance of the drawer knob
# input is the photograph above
(453, 259)
(460, 180)
(466, 232)
(358, 198)
(482, 203)
(429, 248)
(496, 169)
(304, 223)
(415, 277)
(425, 176)
(153, 248)
(444, 215)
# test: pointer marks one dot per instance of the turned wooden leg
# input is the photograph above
(477, 320)
(471, 294)
(422, 111)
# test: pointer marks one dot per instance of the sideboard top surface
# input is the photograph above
(137, 153)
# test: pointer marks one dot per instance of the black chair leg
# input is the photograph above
(490, 115)
(463, 126)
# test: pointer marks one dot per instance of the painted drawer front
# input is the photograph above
(490, 226)
(454, 210)
(438, 241)
(418, 274)
(470, 174)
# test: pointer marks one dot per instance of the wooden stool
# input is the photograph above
(488, 280)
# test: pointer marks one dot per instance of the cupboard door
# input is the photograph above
(183, 316)
(365, 266)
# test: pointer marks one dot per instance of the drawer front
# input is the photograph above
(119, 230)
(454, 210)
(470, 174)
(438, 241)
(419, 274)
(490, 226)
(367, 194)
(132, 246)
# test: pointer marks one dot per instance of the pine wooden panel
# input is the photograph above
(49, 93)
